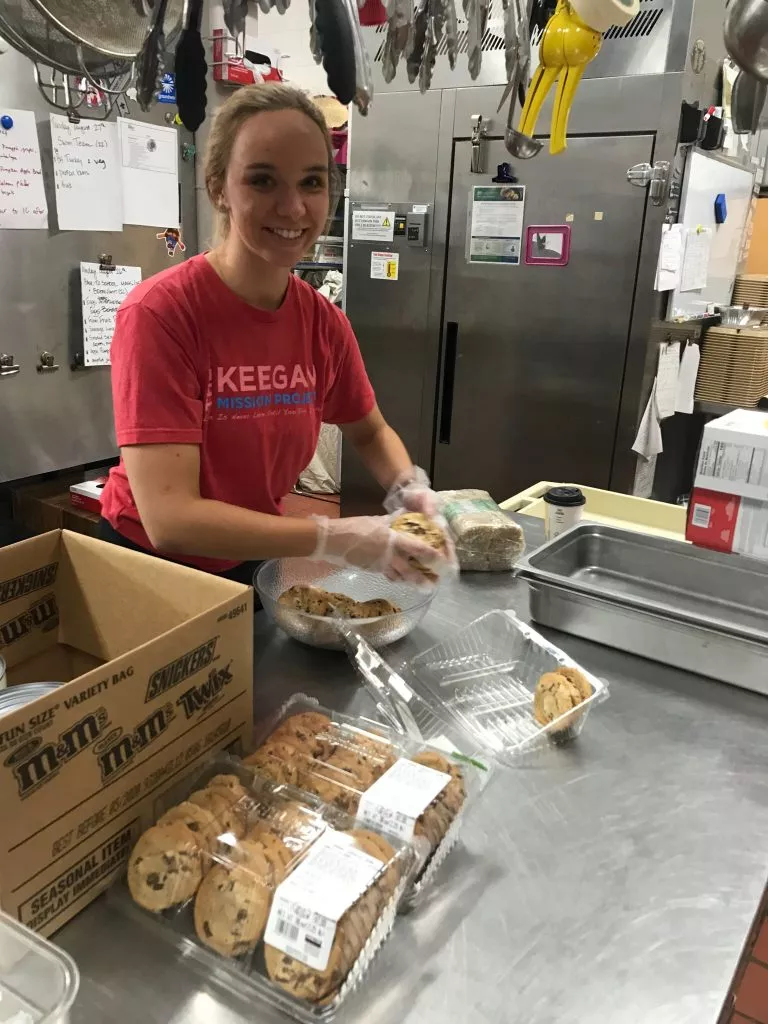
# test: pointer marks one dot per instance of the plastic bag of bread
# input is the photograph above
(486, 539)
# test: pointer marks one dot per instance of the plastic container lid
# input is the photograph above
(38, 981)
(476, 689)
(566, 497)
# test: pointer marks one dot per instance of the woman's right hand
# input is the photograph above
(368, 542)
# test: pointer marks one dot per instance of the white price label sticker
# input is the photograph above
(396, 800)
(308, 904)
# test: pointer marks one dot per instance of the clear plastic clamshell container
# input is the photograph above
(38, 981)
(484, 679)
(340, 760)
(208, 872)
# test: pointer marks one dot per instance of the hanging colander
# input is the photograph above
(116, 28)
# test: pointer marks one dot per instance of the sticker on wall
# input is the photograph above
(173, 242)
(496, 224)
(373, 225)
(167, 91)
(385, 266)
(548, 245)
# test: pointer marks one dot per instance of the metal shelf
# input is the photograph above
(327, 265)
(714, 408)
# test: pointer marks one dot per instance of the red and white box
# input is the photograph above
(728, 510)
(87, 495)
(728, 522)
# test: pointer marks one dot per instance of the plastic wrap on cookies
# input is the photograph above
(486, 539)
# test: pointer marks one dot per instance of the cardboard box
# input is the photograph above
(728, 522)
(159, 664)
(733, 458)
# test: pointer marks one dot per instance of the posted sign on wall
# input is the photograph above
(373, 225)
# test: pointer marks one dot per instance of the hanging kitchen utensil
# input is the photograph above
(518, 61)
(415, 54)
(363, 71)
(235, 12)
(476, 13)
(150, 65)
(568, 44)
(27, 30)
(314, 46)
(117, 29)
(399, 26)
(337, 47)
(430, 50)
(191, 68)
(746, 36)
(451, 32)
(747, 102)
(68, 75)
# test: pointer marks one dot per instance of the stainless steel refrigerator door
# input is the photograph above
(540, 350)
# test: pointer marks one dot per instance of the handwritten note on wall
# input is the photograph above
(86, 168)
(22, 195)
(102, 291)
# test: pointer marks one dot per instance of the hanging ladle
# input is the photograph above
(519, 145)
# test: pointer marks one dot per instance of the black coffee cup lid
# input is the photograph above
(569, 497)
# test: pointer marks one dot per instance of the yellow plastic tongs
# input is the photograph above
(568, 44)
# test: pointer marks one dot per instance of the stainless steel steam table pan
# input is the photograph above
(695, 609)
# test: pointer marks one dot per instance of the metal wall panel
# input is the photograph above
(540, 350)
(50, 421)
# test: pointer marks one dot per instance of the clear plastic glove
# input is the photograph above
(367, 542)
(413, 492)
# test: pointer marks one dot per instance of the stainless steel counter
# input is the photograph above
(611, 882)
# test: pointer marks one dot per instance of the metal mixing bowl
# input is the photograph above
(276, 576)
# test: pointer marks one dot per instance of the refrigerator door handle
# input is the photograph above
(449, 376)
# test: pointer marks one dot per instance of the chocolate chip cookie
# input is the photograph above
(199, 820)
(232, 904)
(416, 524)
(221, 807)
(277, 760)
(165, 867)
(555, 695)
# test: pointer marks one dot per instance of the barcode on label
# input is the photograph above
(283, 927)
(701, 516)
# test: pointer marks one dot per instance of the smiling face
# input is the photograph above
(276, 188)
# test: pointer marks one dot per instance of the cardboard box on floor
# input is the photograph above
(159, 665)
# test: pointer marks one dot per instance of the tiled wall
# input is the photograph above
(747, 1002)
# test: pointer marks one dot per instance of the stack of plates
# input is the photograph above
(751, 290)
(734, 366)
(17, 696)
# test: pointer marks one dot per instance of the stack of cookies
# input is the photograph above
(338, 764)
(327, 603)
(228, 848)
(170, 859)
(352, 931)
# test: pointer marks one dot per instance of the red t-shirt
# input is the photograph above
(192, 363)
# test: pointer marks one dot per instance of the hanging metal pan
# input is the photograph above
(26, 30)
(117, 29)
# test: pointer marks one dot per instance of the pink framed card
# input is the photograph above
(548, 245)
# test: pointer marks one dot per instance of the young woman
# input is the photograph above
(225, 366)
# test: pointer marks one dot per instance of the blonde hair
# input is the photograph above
(230, 117)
